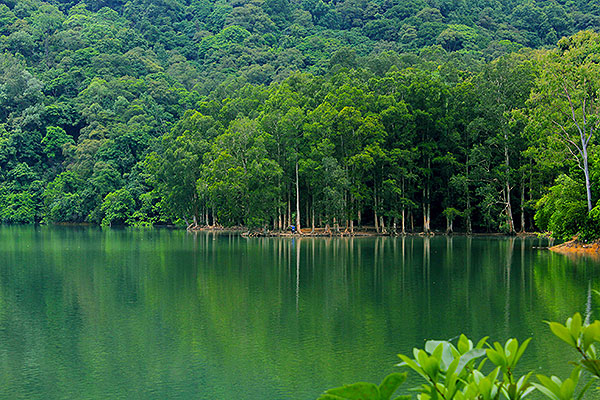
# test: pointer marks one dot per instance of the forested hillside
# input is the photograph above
(406, 115)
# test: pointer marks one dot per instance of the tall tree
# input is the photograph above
(566, 98)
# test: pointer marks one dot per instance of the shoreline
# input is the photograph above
(364, 232)
(576, 247)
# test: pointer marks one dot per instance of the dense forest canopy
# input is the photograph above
(407, 115)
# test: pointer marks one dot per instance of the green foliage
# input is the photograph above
(562, 211)
(368, 391)
(54, 141)
(17, 208)
(455, 371)
(380, 113)
(117, 207)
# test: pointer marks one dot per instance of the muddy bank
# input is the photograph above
(576, 246)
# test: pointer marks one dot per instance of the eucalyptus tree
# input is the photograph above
(175, 167)
(566, 98)
(503, 86)
(238, 177)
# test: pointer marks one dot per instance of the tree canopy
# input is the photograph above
(406, 116)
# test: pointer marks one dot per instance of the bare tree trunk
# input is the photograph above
(586, 173)
(307, 218)
(403, 222)
(289, 209)
(425, 221)
(509, 214)
(468, 210)
(279, 221)
(375, 211)
(428, 214)
(313, 218)
(523, 204)
(297, 201)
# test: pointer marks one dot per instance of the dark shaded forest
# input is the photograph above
(409, 116)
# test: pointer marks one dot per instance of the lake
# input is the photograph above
(154, 314)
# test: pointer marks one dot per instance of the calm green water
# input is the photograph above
(157, 314)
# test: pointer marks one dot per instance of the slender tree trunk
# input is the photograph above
(523, 204)
(289, 210)
(307, 218)
(425, 220)
(375, 211)
(468, 196)
(279, 219)
(313, 218)
(403, 222)
(298, 229)
(359, 218)
(586, 173)
(509, 214)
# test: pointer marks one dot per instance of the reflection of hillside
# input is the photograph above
(152, 313)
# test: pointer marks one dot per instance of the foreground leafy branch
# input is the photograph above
(457, 371)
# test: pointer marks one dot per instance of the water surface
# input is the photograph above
(155, 314)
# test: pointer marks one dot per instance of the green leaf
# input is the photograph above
(482, 342)
(549, 384)
(547, 392)
(575, 326)
(432, 345)
(330, 397)
(511, 349)
(567, 389)
(411, 364)
(464, 344)
(563, 333)
(467, 357)
(390, 384)
(521, 351)
(592, 365)
(591, 334)
(496, 358)
(356, 391)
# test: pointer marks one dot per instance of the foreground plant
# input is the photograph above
(582, 337)
(457, 372)
(370, 391)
